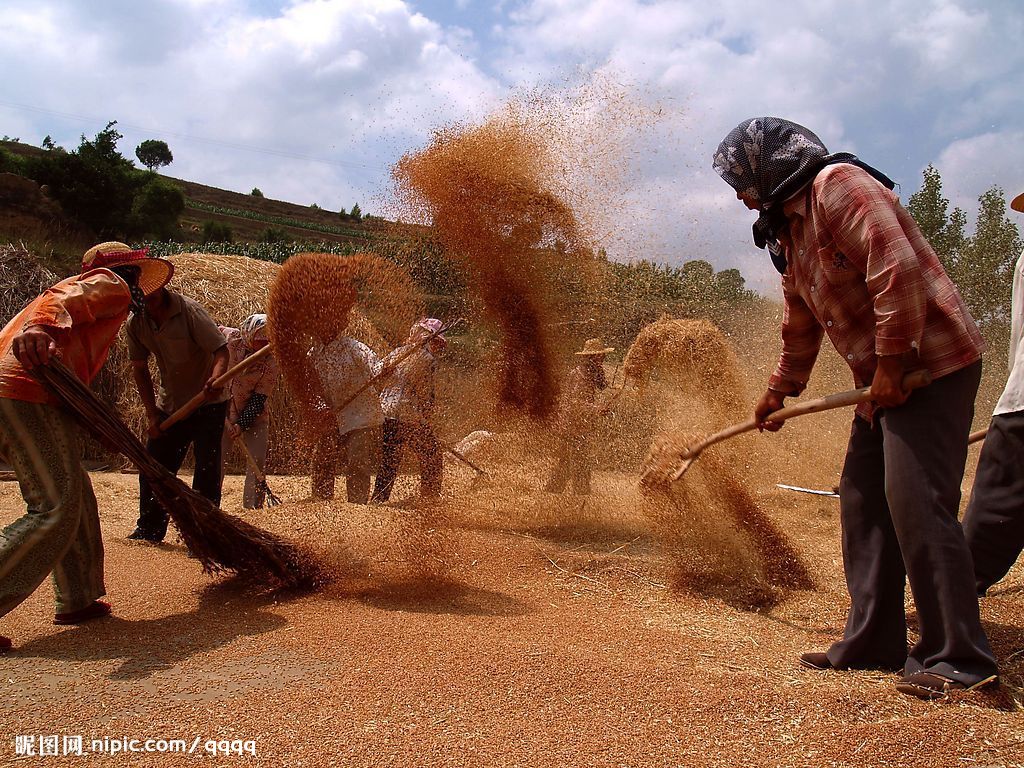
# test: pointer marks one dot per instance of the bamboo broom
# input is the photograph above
(220, 542)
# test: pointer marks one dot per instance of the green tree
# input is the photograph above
(274, 235)
(256, 192)
(984, 271)
(95, 185)
(154, 154)
(341, 213)
(943, 230)
(156, 208)
(356, 213)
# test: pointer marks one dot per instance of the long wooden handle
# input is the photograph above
(912, 380)
(977, 435)
(464, 460)
(251, 461)
(197, 402)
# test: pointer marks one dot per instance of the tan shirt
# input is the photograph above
(183, 347)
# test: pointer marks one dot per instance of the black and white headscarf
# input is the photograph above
(769, 160)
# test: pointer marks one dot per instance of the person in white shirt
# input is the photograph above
(994, 520)
(344, 366)
(407, 398)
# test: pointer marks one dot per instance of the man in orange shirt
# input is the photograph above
(76, 320)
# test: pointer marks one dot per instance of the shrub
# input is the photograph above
(216, 232)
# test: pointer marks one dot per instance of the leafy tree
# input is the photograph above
(154, 154)
(341, 213)
(94, 184)
(944, 231)
(256, 192)
(216, 232)
(984, 270)
(314, 207)
(156, 208)
(356, 213)
(274, 235)
(980, 264)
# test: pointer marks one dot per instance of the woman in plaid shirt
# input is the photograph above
(856, 267)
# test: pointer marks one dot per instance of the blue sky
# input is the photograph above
(314, 100)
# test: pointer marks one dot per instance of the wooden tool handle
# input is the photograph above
(464, 460)
(393, 366)
(839, 400)
(197, 402)
(977, 435)
(251, 461)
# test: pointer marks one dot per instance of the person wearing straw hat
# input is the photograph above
(856, 267)
(190, 353)
(576, 412)
(78, 320)
(407, 400)
(248, 417)
(994, 520)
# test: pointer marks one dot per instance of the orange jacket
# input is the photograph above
(83, 314)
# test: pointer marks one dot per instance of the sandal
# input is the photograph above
(97, 609)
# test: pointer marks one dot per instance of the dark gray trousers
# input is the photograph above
(994, 521)
(899, 499)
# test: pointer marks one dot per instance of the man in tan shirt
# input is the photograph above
(190, 353)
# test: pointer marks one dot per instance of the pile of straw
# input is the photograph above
(22, 278)
(219, 541)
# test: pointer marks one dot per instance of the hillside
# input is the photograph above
(249, 217)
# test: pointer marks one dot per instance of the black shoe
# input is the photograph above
(140, 535)
(816, 660)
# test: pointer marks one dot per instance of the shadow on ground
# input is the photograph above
(227, 610)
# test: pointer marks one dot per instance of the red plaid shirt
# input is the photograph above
(861, 271)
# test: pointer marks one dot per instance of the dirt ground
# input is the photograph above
(506, 628)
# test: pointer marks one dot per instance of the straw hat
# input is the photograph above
(1018, 203)
(595, 347)
(154, 273)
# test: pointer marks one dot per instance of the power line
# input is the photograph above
(188, 137)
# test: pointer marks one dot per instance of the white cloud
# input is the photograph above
(359, 82)
(971, 166)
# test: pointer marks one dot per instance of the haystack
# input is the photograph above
(22, 278)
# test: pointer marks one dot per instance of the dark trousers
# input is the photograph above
(203, 430)
(573, 463)
(419, 437)
(899, 499)
(994, 521)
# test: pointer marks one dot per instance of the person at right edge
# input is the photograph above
(855, 265)
(994, 520)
